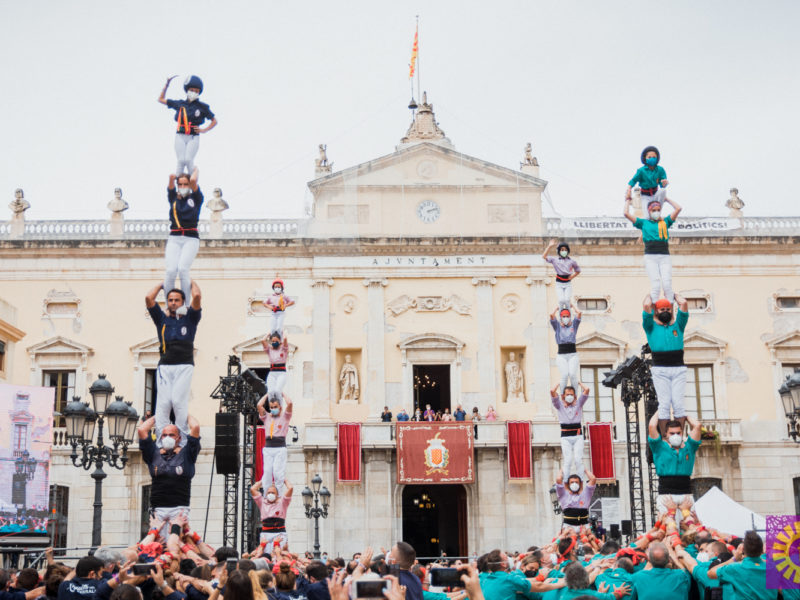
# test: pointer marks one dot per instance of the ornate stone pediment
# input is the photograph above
(429, 304)
(597, 347)
(429, 344)
(252, 352)
(60, 345)
(700, 347)
(785, 347)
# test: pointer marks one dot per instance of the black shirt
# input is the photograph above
(386, 417)
(175, 335)
(171, 472)
(184, 212)
(195, 112)
(78, 588)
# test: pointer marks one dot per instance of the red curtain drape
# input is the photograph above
(348, 458)
(601, 448)
(519, 449)
(261, 435)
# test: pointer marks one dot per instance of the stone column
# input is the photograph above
(375, 381)
(487, 368)
(321, 330)
(539, 349)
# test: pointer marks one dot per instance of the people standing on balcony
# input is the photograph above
(402, 415)
(386, 415)
(273, 509)
(277, 350)
(575, 498)
(171, 464)
(185, 199)
(446, 416)
(429, 414)
(570, 416)
(190, 114)
(566, 269)
(566, 332)
(491, 414)
(460, 414)
(417, 416)
(278, 302)
(665, 338)
(652, 180)
(674, 461)
(176, 349)
(276, 425)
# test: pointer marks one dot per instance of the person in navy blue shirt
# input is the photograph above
(176, 347)
(460, 414)
(190, 115)
(185, 200)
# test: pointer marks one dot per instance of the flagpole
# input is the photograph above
(412, 84)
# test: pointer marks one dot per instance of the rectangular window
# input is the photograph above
(699, 394)
(600, 405)
(592, 305)
(64, 382)
(144, 517)
(697, 304)
(20, 437)
(59, 514)
(788, 302)
(150, 391)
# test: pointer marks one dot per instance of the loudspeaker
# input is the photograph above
(627, 528)
(615, 535)
(227, 443)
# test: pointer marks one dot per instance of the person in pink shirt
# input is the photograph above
(273, 509)
(277, 350)
(276, 426)
(491, 415)
(278, 302)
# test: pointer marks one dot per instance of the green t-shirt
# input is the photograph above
(426, 595)
(700, 575)
(661, 584)
(650, 228)
(504, 586)
(665, 338)
(614, 577)
(567, 594)
(648, 178)
(748, 579)
(668, 461)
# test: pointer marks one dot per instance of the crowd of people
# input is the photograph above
(430, 415)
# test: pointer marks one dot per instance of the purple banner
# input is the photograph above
(783, 552)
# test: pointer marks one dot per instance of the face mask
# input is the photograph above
(277, 289)
(275, 411)
(554, 559)
(664, 317)
(574, 486)
(569, 398)
(192, 96)
(271, 497)
(655, 215)
(675, 440)
(565, 320)
(564, 253)
(652, 161)
(168, 443)
(702, 557)
(275, 344)
(184, 191)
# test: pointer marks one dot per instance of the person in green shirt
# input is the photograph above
(699, 572)
(651, 177)
(499, 584)
(746, 572)
(579, 584)
(660, 582)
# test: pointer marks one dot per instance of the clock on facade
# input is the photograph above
(428, 211)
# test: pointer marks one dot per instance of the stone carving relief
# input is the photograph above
(510, 302)
(62, 305)
(348, 380)
(514, 380)
(429, 304)
(348, 303)
(508, 213)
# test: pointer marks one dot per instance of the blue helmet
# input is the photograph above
(193, 81)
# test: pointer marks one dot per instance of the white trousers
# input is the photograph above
(276, 381)
(174, 387)
(677, 499)
(659, 271)
(569, 366)
(166, 514)
(564, 293)
(271, 538)
(669, 383)
(276, 324)
(179, 256)
(572, 455)
(274, 468)
(186, 147)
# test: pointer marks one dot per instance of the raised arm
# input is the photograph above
(652, 427)
(193, 179)
(150, 298)
(256, 487)
(145, 427)
(592, 479)
(627, 212)
(196, 296)
(162, 98)
(260, 406)
(695, 429)
(549, 247)
(678, 208)
(288, 402)
(560, 478)
(194, 426)
(554, 397)
(647, 304)
(289, 488)
(576, 311)
(683, 304)
(171, 183)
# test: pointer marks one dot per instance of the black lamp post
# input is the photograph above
(790, 396)
(315, 512)
(24, 470)
(81, 422)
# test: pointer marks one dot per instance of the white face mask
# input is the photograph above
(655, 215)
(184, 191)
(574, 486)
(675, 440)
(569, 398)
(271, 497)
(564, 253)
(192, 96)
(703, 557)
(565, 320)
(277, 289)
(168, 443)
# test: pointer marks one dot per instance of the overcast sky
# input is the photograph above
(714, 84)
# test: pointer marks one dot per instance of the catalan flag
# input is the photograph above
(414, 51)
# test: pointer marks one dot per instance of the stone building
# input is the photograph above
(424, 261)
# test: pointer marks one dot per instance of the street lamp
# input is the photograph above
(81, 422)
(554, 500)
(315, 512)
(790, 397)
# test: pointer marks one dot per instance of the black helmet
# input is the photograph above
(562, 245)
(193, 81)
(651, 149)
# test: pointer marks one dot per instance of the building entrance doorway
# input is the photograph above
(432, 386)
(435, 519)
